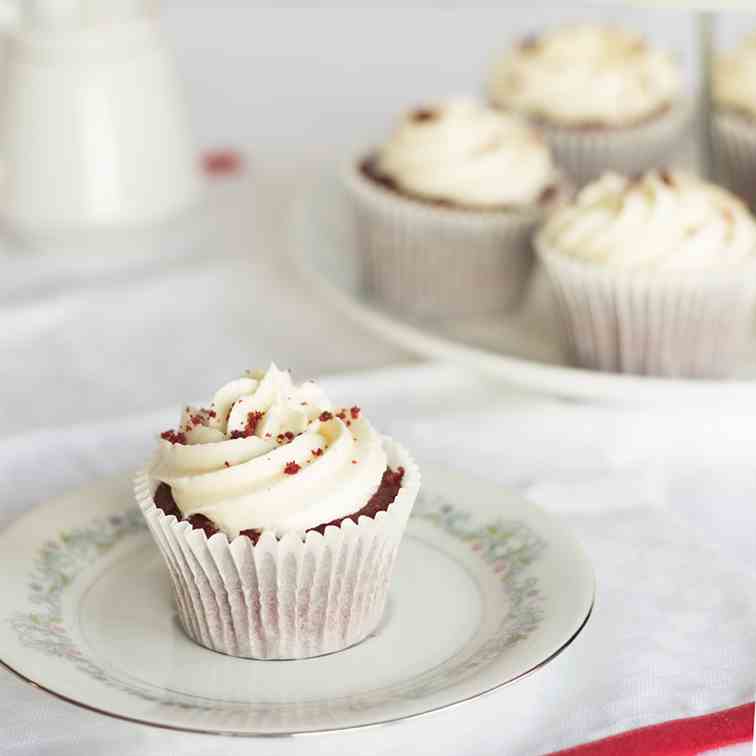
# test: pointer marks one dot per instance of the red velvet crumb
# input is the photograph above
(200, 522)
(424, 114)
(317, 452)
(292, 468)
(225, 464)
(253, 418)
(354, 412)
(325, 416)
(251, 533)
(173, 437)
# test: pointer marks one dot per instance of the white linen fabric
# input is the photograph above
(97, 358)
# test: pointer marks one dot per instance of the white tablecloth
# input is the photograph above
(96, 358)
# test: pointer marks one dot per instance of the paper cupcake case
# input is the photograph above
(283, 599)
(735, 147)
(429, 261)
(585, 154)
(674, 325)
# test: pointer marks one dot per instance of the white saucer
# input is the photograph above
(522, 348)
(487, 589)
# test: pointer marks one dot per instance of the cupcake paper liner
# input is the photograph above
(291, 598)
(693, 325)
(585, 154)
(429, 261)
(735, 147)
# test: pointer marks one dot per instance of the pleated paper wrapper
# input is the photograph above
(283, 599)
(585, 154)
(691, 324)
(735, 148)
(431, 261)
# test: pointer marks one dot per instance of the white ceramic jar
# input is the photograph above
(93, 130)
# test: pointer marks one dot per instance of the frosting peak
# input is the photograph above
(586, 75)
(662, 220)
(268, 454)
(734, 78)
(466, 153)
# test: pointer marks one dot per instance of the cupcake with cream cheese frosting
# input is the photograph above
(604, 98)
(653, 275)
(734, 118)
(279, 517)
(446, 207)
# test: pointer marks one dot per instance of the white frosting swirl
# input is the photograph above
(466, 153)
(236, 464)
(667, 221)
(734, 78)
(586, 75)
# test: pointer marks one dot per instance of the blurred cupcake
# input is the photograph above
(278, 517)
(603, 97)
(446, 208)
(734, 118)
(653, 275)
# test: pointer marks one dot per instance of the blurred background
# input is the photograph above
(289, 92)
(266, 77)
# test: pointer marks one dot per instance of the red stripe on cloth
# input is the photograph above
(679, 737)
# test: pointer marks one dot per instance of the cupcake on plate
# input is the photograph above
(445, 209)
(604, 98)
(279, 517)
(653, 275)
(734, 118)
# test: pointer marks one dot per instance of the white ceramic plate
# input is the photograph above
(523, 348)
(487, 589)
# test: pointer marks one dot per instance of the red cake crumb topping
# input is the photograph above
(292, 468)
(317, 452)
(173, 437)
(225, 464)
(354, 412)
(253, 418)
(548, 193)
(325, 417)
(424, 114)
(211, 413)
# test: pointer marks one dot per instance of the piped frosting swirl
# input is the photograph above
(663, 220)
(467, 154)
(268, 454)
(586, 76)
(734, 78)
